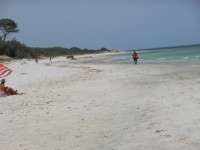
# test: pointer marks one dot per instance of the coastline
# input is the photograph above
(69, 104)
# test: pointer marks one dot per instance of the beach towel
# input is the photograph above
(2, 93)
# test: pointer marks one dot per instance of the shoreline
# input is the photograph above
(73, 105)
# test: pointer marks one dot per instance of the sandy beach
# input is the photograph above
(73, 105)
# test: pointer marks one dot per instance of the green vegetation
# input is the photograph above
(60, 51)
(16, 49)
(7, 26)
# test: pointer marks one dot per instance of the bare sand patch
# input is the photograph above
(77, 106)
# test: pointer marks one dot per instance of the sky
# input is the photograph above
(112, 24)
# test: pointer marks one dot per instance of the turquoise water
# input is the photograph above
(187, 53)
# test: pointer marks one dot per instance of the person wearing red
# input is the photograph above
(135, 57)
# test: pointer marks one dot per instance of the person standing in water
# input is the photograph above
(135, 57)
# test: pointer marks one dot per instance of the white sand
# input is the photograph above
(70, 105)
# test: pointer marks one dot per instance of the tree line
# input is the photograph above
(16, 49)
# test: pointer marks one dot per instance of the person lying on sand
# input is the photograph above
(7, 90)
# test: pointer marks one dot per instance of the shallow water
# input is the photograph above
(179, 54)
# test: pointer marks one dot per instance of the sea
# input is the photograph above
(158, 55)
